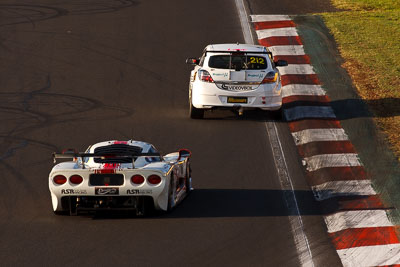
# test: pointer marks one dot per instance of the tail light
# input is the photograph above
(60, 179)
(76, 179)
(154, 179)
(271, 77)
(137, 179)
(205, 76)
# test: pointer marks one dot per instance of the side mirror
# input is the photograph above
(281, 63)
(184, 153)
(192, 61)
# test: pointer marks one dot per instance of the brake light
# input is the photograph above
(271, 77)
(137, 179)
(60, 179)
(76, 179)
(154, 179)
(205, 76)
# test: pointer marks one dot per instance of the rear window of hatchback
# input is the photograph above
(246, 62)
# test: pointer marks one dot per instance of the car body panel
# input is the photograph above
(233, 88)
(172, 166)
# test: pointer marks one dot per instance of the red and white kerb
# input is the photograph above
(355, 215)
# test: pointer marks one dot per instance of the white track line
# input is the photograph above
(296, 222)
(332, 160)
(244, 22)
(262, 18)
(289, 31)
(382, 255)
(297, 69)
(301, 241)
(343, 188)
(356, 219)
(307, 112)
(317, 135)
(302, 89)
(287, 50)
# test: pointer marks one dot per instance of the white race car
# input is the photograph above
(234, 76)
(119, 175)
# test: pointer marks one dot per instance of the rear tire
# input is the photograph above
(171, 193)
(196, 113)
(278, 115)
(61, 212)
(145, 207)
(65, 207)
(188, 176)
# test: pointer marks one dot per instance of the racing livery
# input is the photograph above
(119, 175)
(234, 76)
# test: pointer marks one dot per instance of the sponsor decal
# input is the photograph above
(106, 191)
(221, 74)
(237, 87)
(73, 192)
(139, 191)
(258, 75)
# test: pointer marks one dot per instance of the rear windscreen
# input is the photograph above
(237, 62)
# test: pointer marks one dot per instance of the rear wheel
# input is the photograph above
(171, 193)
(277, 114)
(65, 207)
(188, 183)
(144, 207)
(196, 113)
(72, 206)
(61, 212)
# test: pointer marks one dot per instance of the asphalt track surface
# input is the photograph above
(75, 73)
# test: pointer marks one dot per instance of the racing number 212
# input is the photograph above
(256, 60)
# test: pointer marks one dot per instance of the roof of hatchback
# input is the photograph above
(236, 47)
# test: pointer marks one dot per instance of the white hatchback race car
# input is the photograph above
(234, 76)
(119, 175)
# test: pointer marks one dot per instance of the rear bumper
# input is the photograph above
(76, 204)
(209, 96)
(215, 102)
(86, 199)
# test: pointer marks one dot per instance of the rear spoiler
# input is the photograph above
(72, 155)
(241, 52)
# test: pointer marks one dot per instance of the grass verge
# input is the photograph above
(368, 35)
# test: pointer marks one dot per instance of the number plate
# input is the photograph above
(242, 100)
(106, 191)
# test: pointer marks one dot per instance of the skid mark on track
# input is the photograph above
(22, 109)
(17, 14)
(11, 14)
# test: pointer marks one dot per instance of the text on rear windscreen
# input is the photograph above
(235, 61)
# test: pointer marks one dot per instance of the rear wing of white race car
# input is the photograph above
(120, 157)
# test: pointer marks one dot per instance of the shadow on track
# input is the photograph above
(248, 115)
(357, 108)
(217, 203)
